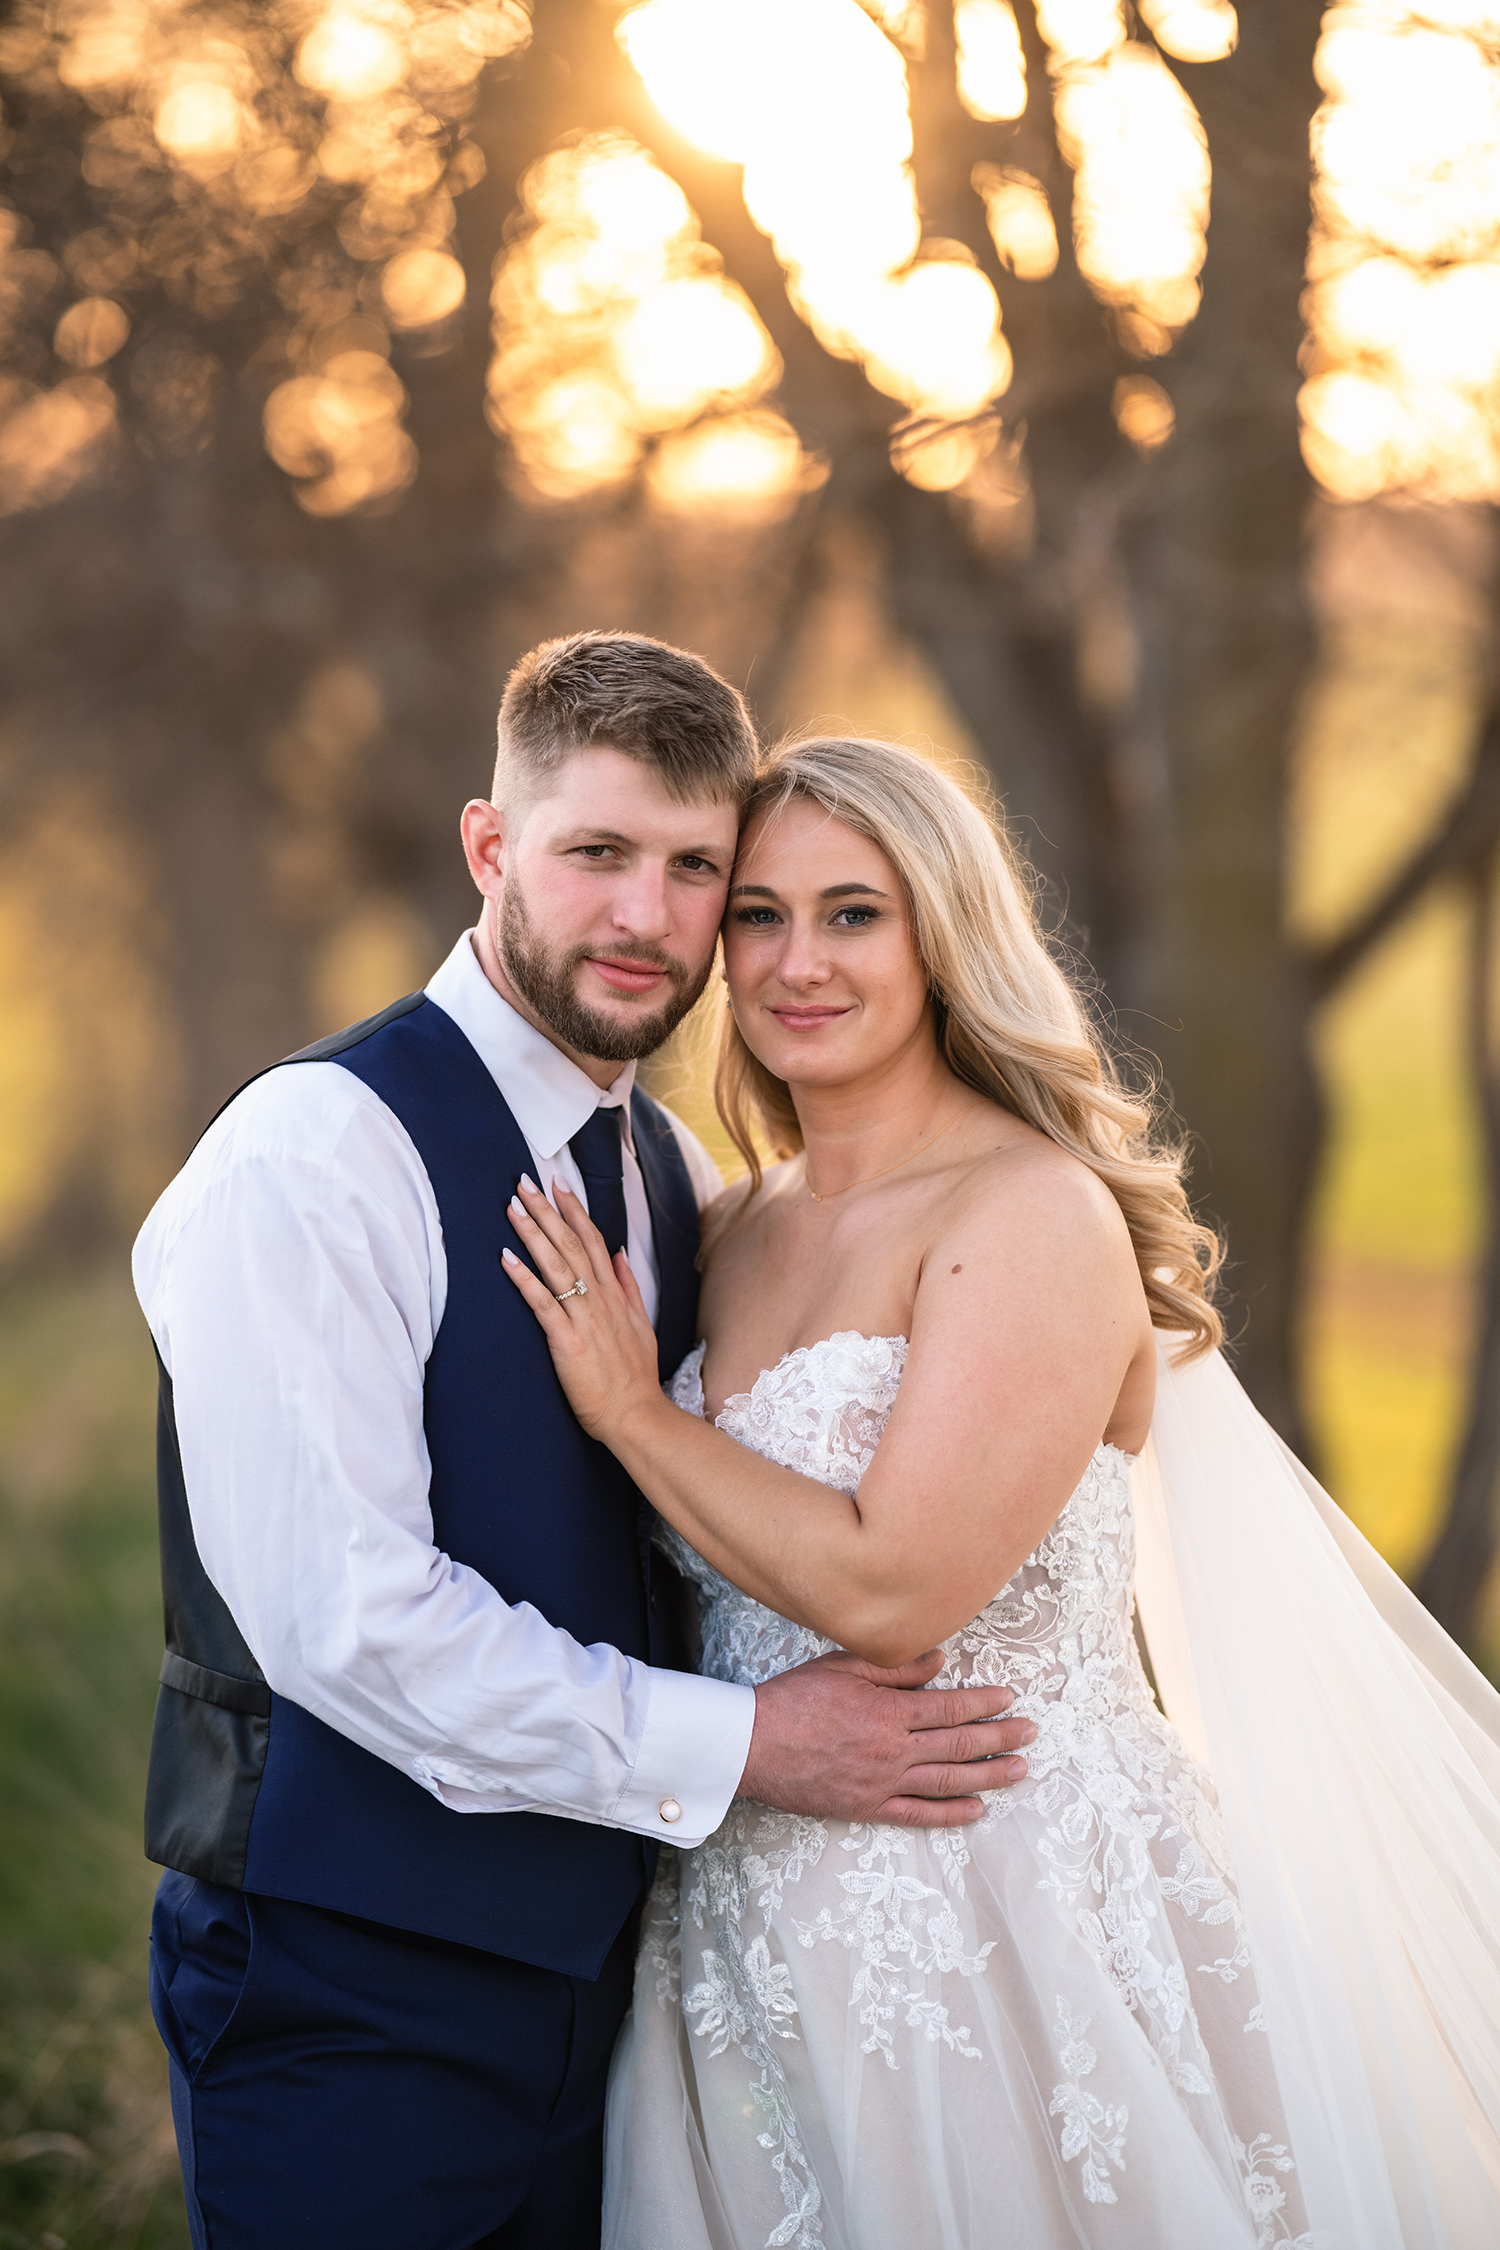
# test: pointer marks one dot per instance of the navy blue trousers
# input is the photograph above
(337, 2085)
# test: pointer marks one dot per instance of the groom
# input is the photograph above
(419, 1735)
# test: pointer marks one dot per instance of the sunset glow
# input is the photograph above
(1140, 192)
(1020, 220)
(1404, 299)
(812, 100)
(613, 324)
(742, 468)
(991, 66)
(1197, 31)
(616, 331)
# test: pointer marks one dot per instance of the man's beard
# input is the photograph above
(546, 982)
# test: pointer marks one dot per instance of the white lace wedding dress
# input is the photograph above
(1040, 2031)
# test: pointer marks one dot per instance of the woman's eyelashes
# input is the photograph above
(843, 917)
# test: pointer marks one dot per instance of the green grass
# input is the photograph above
(86, 2151)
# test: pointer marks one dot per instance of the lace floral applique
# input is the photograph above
(660, 1948)
(744, 1997)
(901, 1942)
(1265, 2197)
(1090, 2130)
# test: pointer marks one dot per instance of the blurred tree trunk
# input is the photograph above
(1454, 1579)
(1217, 563)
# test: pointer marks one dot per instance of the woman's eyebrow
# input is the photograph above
(834, 890)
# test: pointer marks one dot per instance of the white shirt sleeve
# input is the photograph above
(293, 1277)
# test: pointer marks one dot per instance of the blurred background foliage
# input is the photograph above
(1100, 393)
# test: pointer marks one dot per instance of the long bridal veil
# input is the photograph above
(1357, 1756)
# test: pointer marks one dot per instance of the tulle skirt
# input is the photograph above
(1031, 2034)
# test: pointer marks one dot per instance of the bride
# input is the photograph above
(1229, 1980)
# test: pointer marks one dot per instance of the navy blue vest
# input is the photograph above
(249, 1788)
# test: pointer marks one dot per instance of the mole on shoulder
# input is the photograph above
(958, 1269)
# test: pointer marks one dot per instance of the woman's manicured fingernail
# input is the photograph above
(509, 1258)
(516, 1206)
(529, 1184)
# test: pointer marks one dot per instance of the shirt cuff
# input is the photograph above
(692, 1752)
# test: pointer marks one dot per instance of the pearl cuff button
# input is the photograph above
(669, 1809)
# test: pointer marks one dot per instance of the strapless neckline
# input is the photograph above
(743, 1399)
(693, 1368)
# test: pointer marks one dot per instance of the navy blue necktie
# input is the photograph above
(598, 1153)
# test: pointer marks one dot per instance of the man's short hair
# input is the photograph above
(626, 692)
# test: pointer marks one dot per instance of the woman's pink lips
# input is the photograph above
(627, 976)
(806, 1019)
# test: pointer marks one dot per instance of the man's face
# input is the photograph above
(605, 903)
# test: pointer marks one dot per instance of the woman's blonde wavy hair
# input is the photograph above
(1010, 1022)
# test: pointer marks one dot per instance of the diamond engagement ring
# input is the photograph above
(579, 1289)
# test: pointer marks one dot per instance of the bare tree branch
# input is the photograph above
(1464, 839)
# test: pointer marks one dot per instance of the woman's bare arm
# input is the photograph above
(1029, 1313)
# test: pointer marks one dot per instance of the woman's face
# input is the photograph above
(823, 970)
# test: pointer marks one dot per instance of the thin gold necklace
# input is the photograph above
(909, 1158)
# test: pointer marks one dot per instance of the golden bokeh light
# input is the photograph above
(942, 460)
(317, 145)
(1080, 31)
(1196, 31)
(340, 431)
(991, 65)
(108, 47)
(1143, 412)
(572, 435)
(91, 332)
(1020, 220)
(350, 55)
(812, 100)
(421, 287)
(690, 342)
(200, 122)
(746, 468)
(1141, 189)
(1403, 303)
(617, 334)
(615, 324)
(51, 440)
(931, 339)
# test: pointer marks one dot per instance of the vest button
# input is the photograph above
(669, 1809)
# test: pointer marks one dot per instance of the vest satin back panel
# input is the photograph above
(520, 1495)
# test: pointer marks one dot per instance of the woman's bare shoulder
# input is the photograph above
(1028, 1191)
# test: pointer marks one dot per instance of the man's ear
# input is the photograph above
(484, 830)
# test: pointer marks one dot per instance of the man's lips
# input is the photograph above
(806, 1019)
(626, 976)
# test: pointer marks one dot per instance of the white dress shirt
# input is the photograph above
(294, 1279)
